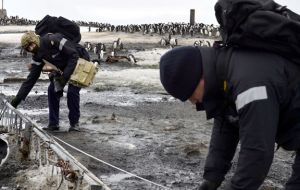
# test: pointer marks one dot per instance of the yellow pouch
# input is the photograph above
(84, 73)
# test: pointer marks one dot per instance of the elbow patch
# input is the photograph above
(250, 95)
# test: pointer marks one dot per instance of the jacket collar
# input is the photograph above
(213, 93)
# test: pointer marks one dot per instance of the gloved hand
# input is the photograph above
(53, 74)
(209, 185)
(59, 84)
(15, 102)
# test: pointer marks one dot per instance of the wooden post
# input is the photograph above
(3, 12)
(192, 17)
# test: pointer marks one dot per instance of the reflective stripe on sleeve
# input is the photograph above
(36, 63)
(62, 43)
(250, 95)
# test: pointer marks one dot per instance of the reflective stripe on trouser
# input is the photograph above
(73, 98)
(294, 181)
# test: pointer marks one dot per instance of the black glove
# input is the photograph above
(209, 185)
(52, 75)
(15, 102)
(59, 84)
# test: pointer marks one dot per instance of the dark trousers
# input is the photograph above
(73, 99)
(255, 157)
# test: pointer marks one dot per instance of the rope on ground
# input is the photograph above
(106, 163)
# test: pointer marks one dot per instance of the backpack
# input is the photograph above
(51, 24)
(259, 24)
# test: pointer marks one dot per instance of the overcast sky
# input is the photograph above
(122, 11)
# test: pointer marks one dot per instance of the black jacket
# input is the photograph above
(262, 89)
(57, 50)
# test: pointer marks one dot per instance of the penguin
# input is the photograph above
(4, 149)
(115, 45)
(172, 41)
(132, 59)
(197, 43)
(163, 41)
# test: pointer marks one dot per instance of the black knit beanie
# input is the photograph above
(181, 71)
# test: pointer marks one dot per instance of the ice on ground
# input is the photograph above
(149, 57)
(16, 28)
(33, 112)
(13, 92)
(116, 177)
(123, 97)
(128, 76)
(13, 38)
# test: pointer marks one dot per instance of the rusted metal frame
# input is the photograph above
(10, 120)
(66, 156)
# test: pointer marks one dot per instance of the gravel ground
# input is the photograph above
(128, 120)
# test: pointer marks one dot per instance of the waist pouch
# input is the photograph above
(83, 74)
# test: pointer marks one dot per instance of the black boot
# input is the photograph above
(74, 127)
(209, 185)
(51, 128)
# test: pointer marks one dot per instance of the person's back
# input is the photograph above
(51, 47)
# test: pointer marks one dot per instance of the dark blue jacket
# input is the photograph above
(262, 89)
(257, 106)
(57, 50)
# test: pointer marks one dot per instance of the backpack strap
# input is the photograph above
(293, 83)
(228, 111)
(223, 59)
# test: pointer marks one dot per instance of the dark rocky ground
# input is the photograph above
(136, 127)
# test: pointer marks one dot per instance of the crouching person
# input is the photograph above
(63, 54)
(253, 97)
